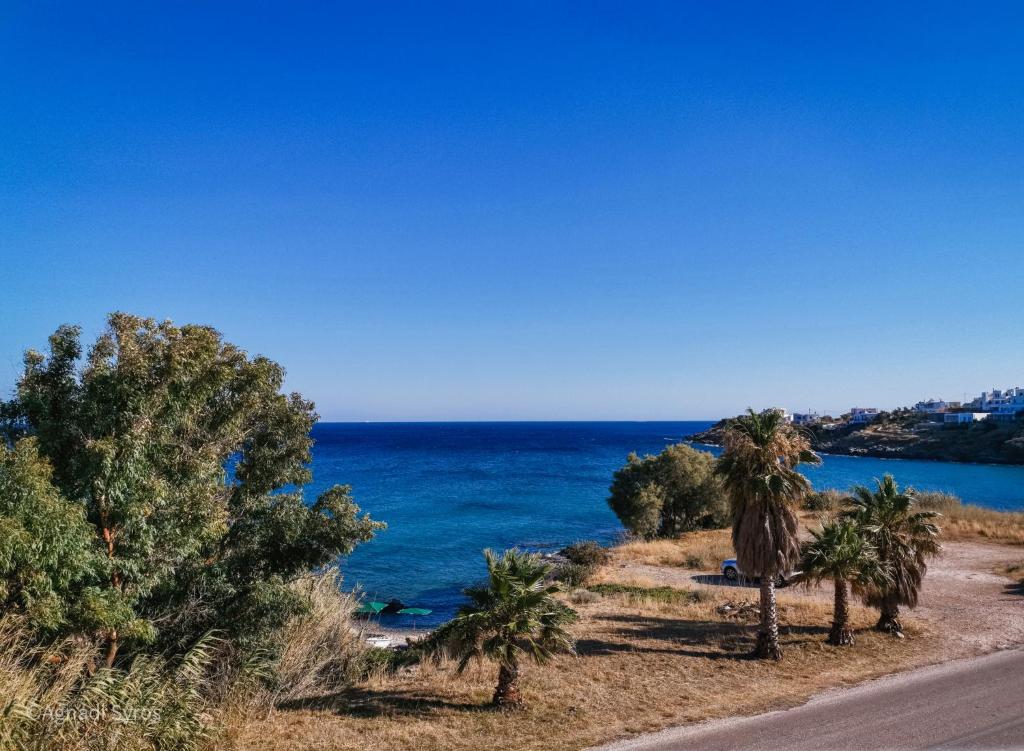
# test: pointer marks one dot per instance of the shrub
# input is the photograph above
(668, 494)
(824, 501)
(574, 574)
(586, 553)
(317, 651)
(584, 597)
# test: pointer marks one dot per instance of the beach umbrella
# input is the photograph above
(371, 608)
(414, 612)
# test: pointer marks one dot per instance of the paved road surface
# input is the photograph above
(968, 704)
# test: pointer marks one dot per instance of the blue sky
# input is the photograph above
(542, 211)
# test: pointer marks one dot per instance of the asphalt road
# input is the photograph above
(967, 704)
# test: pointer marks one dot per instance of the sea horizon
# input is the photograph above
(449, 489)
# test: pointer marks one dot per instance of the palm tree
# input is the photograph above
(841, 553)
(513, 615)
(904, 538)
(758, 470)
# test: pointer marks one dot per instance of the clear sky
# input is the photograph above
(541, 211)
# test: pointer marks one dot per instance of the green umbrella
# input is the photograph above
(371, 608)
(415, 611)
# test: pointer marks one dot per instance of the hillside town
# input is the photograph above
(1004, 405)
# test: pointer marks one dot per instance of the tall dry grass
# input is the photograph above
(697, 550)
(965, 522)
(51, 699)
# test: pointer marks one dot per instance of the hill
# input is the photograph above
(904, 434)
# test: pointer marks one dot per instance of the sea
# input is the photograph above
(449, 490)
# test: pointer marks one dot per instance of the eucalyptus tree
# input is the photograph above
(905, 539)
(759, 471)
(47, 560)
(840, 552)
(187, 462)
(514, 616)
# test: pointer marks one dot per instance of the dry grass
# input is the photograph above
(644, 663)
(706, 549)
(966, 522)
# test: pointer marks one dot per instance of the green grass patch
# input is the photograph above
(668, 595)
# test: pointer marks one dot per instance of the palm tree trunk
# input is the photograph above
(889, 621)
(841, 635)
(507, 695)
(768, 635)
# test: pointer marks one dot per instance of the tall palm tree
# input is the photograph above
(840, 552)
(514, 615)
(758, 469)
(904, 538)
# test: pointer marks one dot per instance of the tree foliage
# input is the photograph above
(513, 616)
(665, 495)
(841, 552)
(905, 539)
(759, 472)
(47, 556)
(186, 462)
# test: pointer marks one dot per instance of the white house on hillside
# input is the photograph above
(806, 418)
(964, 417)
(1008, 402)
(934, 406)
(862, 415)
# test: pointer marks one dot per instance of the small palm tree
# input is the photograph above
(904, 539)
(758, 470)
(514, 615)
(841, 553)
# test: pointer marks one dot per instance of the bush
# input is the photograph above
(584, 597)
(586, 553)
(824, 501)
(318, 651)
(574, 574)
(665, 495)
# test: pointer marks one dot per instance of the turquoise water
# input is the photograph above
(448, 490)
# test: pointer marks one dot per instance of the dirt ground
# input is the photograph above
(645, 663)
(963, 594)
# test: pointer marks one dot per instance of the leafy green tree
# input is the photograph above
(905, 540)
(513, 616)
(838, 551)
(759, 471)
(187, 462)
(668, 494)
(47, 557)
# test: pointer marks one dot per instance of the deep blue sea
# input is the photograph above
(448, 490)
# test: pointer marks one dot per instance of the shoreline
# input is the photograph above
(886, 457)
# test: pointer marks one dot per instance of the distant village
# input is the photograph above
(1001, 405)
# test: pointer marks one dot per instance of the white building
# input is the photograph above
(964, 417)
(785, 415)
(933, 406)
(863, 415)
(1008, 402)
(806, 418)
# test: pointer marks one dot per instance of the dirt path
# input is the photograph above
(962, 594)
